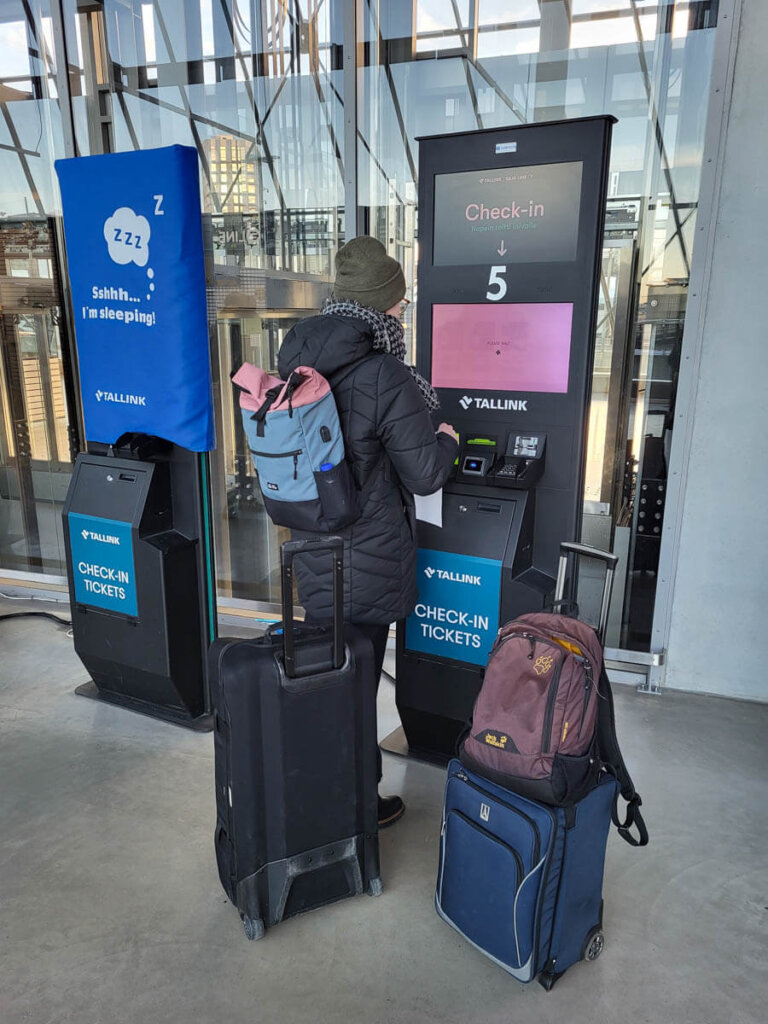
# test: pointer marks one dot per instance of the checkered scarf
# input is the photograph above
(387, 337)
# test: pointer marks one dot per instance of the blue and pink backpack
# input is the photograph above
(295, 439)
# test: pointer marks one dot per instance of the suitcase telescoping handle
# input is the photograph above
(335, 547)
(583, 550)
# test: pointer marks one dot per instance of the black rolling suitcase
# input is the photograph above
(295, 750)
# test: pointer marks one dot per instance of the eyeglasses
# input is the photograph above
(404, 304)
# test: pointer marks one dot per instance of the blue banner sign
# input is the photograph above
(457, 615)
(102, 563)
(135, 251)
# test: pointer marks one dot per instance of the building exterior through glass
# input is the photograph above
(305, 116)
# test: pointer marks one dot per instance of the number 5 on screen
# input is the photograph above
(496, 280)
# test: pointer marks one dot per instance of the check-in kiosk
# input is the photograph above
(139, 577)
(137, 519)
(510, 233)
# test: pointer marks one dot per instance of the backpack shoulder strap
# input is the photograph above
(339, 377)
(612, 760)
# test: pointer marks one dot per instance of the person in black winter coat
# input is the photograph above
(393, 449)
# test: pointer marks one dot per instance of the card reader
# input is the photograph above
(522, 464)
(474, 465)
(476, 457)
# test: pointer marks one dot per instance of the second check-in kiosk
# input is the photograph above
(510, 232)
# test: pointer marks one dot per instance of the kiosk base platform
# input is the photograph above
(203, 723)
(397, 744)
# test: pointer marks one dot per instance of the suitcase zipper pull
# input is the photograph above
(532, 641)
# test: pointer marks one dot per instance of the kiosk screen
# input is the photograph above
(508, 215)
(524, 346)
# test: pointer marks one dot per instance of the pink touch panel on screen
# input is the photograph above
(523, 346)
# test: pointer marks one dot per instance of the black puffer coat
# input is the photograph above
(394, 453)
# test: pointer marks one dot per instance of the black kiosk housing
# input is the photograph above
(140, 569)
(510, 233)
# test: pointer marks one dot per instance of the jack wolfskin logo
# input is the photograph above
(543, 664)
(429, 572)
(485, 812)
(465, 402)
(499, 740)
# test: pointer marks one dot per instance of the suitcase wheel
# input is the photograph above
(593, 945)
(253, 927)
(375, 887)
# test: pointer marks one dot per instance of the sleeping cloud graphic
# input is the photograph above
(127, 236)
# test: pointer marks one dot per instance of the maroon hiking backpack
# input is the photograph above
(534, 723)
(543, 723)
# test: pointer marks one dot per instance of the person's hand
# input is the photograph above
(446, 428)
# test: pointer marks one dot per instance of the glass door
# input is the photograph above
(35, 456)
(247, 542)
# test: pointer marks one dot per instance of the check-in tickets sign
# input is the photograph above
(508, 215)
(103, 566)
(135, 251)
(457, 614)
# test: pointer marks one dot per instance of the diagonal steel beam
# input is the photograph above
(187, 106)
(395, 101)
(20, 152)
(468, 41)
(261, 138)
(659, 133)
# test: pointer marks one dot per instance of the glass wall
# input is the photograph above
(35, 455)
(433, 67)
(258, 88)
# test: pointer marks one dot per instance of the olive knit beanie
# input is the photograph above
(366, 274)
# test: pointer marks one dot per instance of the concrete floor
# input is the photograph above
(111, 910)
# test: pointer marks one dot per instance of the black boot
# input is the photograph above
(391, 809)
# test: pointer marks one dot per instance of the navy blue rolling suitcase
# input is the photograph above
(522, 880)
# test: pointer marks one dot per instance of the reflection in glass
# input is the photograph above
(648, 63)
(34, 428)
(258, 90)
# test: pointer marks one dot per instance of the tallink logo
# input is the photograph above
(453, 577)
(119, 398)
(494, 404)
(103, 538)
